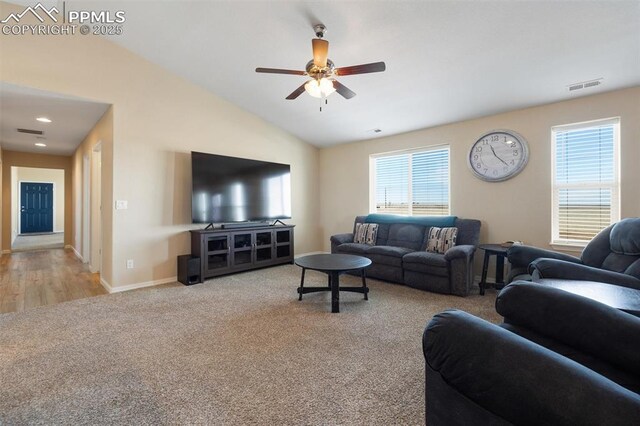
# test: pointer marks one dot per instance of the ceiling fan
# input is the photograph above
(323, 72)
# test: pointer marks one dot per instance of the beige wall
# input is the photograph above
(1, 198)
(30, 174)
(158, 118)
(101, 220)
(516, 209)
(12, 160)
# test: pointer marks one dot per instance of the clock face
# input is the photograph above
(498, 155)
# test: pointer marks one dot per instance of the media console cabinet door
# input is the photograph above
(264, 241)
(284, 244)
(216, 253)
(224, 252)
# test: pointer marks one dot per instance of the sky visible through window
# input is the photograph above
(420, 178)
(585, 155)
(584, 181)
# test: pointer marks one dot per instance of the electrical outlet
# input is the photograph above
(130, 264)
(122, 205)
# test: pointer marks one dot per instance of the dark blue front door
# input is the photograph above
(36, 207)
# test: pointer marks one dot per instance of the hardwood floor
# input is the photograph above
(44, 277)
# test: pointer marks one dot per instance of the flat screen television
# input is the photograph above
(230, 189)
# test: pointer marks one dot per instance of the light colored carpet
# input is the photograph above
(235, 350)
(38, 242)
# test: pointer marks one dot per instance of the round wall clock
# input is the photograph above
(498, 155)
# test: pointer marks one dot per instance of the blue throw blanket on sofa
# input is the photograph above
(439, 221)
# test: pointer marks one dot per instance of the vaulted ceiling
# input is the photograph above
(446, 60)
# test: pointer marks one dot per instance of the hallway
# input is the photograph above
(44, 277)
(38, 241)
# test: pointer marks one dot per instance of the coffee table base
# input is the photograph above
(334, 288)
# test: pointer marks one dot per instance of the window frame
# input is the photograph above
(577, 245)
(410, 152)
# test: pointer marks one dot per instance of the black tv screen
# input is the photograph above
(230, 189)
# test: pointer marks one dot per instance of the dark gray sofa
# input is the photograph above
(399, 256)
(558, 359)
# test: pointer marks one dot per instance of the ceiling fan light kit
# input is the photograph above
(319, 88)
(323, 72)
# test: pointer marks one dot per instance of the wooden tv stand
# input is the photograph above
(226, 251)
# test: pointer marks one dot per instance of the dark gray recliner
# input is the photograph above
(558, 359)
(613, 257)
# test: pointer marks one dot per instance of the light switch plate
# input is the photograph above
(121, 204)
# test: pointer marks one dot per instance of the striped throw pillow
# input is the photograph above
(441, 239)
(366, 233)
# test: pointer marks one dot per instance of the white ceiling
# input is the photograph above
(446, 60)
(72, 119)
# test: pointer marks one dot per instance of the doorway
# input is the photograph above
(95, 264)
(37, 208)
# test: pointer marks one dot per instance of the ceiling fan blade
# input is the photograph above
(320, 52)
(343, 90)
(279, 71)
(361, 69)
(296, 92)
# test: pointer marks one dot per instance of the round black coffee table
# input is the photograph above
(333, 265)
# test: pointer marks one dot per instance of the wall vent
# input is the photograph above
(31, 132)
(584, 84)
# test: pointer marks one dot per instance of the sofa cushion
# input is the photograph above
(618, 262)
(405, 235)
(390, 251)
(625, 237)
(441, 239)
(387, 255)
(366, 233)
(430, 263)
(353, 248)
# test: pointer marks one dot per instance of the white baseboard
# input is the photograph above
(310, 253)
(106, 285)
(78, 255)
(120, 289)
(6, 251)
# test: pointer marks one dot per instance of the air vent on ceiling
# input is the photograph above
(30, 131)
(584, 84)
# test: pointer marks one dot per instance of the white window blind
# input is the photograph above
(585, 181)
(412, 183)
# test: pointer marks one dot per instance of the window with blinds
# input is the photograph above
(585, 180)
(412, 183)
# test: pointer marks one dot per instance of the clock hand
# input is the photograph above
(496, 155)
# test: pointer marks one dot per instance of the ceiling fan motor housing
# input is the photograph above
(316, 72)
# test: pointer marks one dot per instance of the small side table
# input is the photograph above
(500, 253)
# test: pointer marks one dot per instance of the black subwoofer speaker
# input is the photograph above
(188, 269)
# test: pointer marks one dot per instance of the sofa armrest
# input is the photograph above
(460, 260)
(342, 238)
(522, 256)
(581, 323)
(339, 239)
(460, 252)
(518, 380)
(559, 269)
